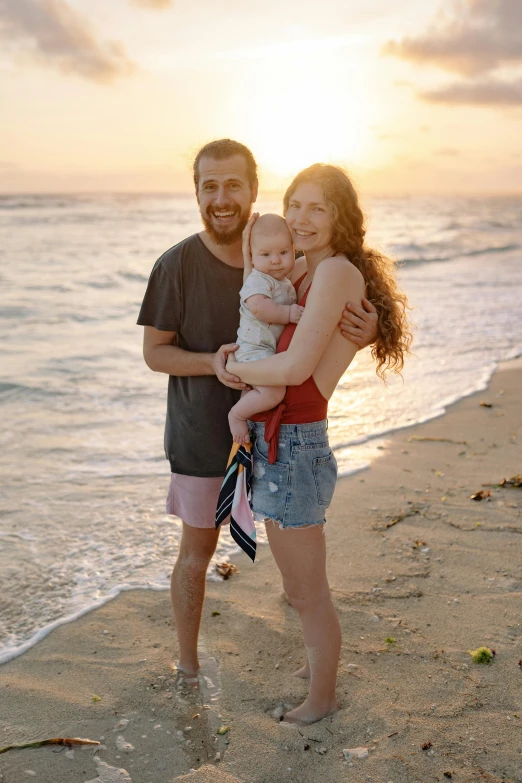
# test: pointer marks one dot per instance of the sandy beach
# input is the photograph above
(420, 574)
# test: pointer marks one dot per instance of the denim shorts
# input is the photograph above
(297, 489)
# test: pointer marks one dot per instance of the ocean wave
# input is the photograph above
(15, 311)
(107, 283)
(32, 202)
(16, 648)
(133, 277)
(492, 249)
(59, 289)
(455, 253)
(10, 391)
(480, 383)
(412, 261)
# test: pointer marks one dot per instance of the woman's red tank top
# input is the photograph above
(301, 404)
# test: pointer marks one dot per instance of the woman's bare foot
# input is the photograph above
(238, 428)
(303, 672)
(308, 713)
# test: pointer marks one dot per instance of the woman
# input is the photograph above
(294, 468)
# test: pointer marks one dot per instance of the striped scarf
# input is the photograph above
(233, 499)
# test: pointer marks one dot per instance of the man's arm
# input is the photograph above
(161, 354)
(270, 312)
(247, 252)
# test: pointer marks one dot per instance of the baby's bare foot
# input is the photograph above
(307, 713)
(303, 672)
(238, 428)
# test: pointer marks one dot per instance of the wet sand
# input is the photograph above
(420, 574)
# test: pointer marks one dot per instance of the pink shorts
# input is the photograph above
(194, 499)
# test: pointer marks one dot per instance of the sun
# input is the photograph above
(306, 110)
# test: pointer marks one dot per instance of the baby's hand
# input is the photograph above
(296, 312)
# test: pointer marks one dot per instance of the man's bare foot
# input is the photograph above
(186, 678)
(238, 428)
(306, 713)
(303, 672)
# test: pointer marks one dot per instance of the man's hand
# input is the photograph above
(359, 324)
(296, 312)
(219, 362)
(247, 251)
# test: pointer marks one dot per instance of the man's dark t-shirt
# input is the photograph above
(193, 293)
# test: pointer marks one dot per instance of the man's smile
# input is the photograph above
(224, 216)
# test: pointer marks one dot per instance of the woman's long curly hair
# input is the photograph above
(393, 335)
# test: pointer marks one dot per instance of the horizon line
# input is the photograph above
(266, 192)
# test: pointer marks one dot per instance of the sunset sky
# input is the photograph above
(118, 94)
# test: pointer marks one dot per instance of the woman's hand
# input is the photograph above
(247, 251)
(359, 324)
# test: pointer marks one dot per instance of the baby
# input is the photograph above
(268, 303)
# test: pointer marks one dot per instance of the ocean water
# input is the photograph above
(81, 459)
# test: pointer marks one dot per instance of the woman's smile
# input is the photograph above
(309, 218)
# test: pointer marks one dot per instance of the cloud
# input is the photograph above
(54, 33)
(154, 4)
(488, 92)
(480, 37)
(484, 36)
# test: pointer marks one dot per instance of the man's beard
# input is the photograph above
(225, 236)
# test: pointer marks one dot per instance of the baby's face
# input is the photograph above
(273, 253)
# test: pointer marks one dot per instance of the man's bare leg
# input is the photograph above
(257, 400)
(187, 590)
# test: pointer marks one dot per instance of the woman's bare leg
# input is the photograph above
(257, 400)
(301, 557)
(304, 671)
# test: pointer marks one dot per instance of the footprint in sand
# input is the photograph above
(108, 774)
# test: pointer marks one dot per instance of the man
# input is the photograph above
(191, 313)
